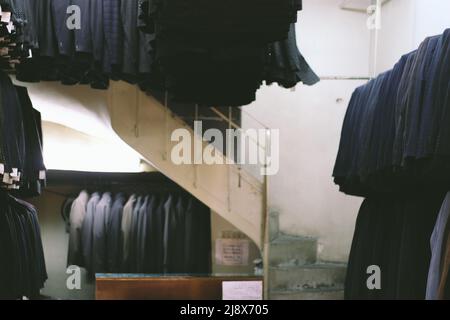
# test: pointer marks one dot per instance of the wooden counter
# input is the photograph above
(145, 287)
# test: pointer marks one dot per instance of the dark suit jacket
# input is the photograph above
(30, 30)
(97, 30)
(13, 134)
(83, 36)
(87, 230)
(64, 36)
(114, 239)
(141, 235)
(113, 31)
(133, 235)
(149, 245)
(129, 10)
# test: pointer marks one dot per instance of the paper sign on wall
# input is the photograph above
(232, 252)
(242, 290)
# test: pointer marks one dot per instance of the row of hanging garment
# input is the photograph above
(13, 49)
(395, 134)
(22, 265)
(408, 237)
(394, 152)
(196, 54)
(22, 166)
(149, 233)
(84, 42)
(22, 171)
(219, 53)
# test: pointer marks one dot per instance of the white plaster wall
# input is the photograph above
(432, 17)
(69, 149)
(405, 24)
(335, 43)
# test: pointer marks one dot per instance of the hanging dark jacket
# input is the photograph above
(64, 35)
(114, 33)
(83, 36)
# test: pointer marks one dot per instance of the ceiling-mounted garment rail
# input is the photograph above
(345, 78)
(347, 7)
(90, 180)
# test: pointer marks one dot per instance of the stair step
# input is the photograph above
(316, 276)
(290, 250)
(274, 225)
(311, 294)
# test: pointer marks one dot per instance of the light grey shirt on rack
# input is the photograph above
(100, 229)
(126, 228)
(87, 231)
(77, 215)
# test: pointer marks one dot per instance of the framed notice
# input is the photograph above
(242, 290)
(232, 252)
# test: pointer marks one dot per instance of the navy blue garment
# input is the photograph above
(400, 109)
(148, 246)
(369, 133)
(170, 229)
(48, 44)
(197, 248)
(395, 135)
(97, 30)
(158, 236)
(388, 124)
(22, 267)
(100, 234)
(31, 182)
(416, 107)
(141, 235)
(113, 32)
(426, 148)
(30, 30)
(129, 22)
(64, 35)
(286, 65)
(442, 99)
(87, 232)
(12, 127)
(83, 36)
(393, 233)
(134, 234)
(114, 239)
(179, 263)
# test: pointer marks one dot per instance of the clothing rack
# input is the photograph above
(152, 232)
(150, 181)
(394, 151)
(345, 78)
(12, 47)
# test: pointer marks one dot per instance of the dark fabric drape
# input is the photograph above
(395, 134)
(21, 143)
(22, 267)
(394, 150)
(186, 48)
(393, 233)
